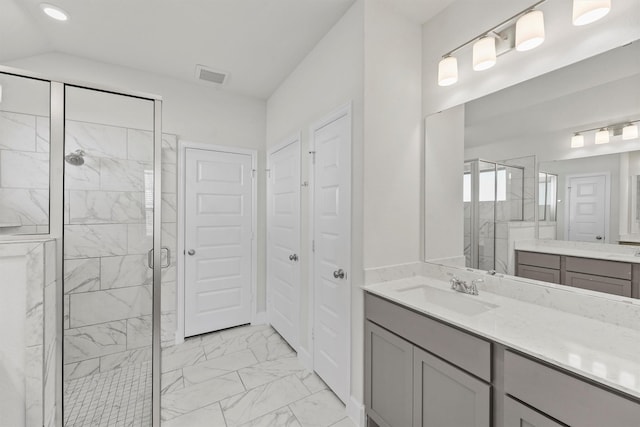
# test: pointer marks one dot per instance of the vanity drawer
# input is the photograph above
(564, 397)
(598, 267)
(599, 283)
(458, 348)
(538, 273)
(539, 260)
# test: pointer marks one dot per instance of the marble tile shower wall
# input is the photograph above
(530, 181)
(24, 173)
(108, 231)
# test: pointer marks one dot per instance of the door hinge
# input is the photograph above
(313, 334)
(253, 173)
(268, 171)
(313, 157)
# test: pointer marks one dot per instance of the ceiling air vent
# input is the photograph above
(209, 75)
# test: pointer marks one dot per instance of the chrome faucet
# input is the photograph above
(462, 286)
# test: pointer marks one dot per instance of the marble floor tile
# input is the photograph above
(321, 409)
(262, 400)
(180, 358)
(282, 417)
(345, 422)
(312, 381)
(265, 372)
(198, 396)
(219, 366)
(209, 416)
(171, 381)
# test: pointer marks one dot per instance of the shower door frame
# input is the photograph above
(56, 216)
(474, 252)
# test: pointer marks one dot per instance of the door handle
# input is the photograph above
(598, 237)
(191, 252)
(150, 257)
(293, 257)
(339, 274)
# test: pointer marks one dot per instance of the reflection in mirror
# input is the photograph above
(578, 205)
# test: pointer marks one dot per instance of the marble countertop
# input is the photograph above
(601, 351)
(625, 254)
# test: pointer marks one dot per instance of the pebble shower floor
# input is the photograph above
(117, 398)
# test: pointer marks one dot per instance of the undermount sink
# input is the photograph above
(451, 300)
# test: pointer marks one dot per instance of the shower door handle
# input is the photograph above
(150, 257)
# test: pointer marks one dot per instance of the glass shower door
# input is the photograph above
(108, 279)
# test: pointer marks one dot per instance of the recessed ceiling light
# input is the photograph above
(54, 12)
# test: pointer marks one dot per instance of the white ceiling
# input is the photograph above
(258, 42)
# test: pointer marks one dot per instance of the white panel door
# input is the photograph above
(332, 238)
(587, 208)
(218, 234)
(283, 241)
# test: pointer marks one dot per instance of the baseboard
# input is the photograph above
(355, 411)
(304, 357)
(260, 318)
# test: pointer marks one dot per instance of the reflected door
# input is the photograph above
(587, 208)
(218, 240)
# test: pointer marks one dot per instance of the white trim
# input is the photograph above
(305, 358)
(295, 138)
(342, 111)
(260, 318)
(607, 206)
(355, 411)
(182, 147)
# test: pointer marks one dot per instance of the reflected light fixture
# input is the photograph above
(602, 136)
(54, 12)
(629, 131)
(484, 53)
(588, 11)
(448, 71)
(577, 141)
(530, 31)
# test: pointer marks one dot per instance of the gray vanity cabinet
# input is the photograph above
(532, 265)
(518, 415)
(422, 373)
(389, 383)
(447, 396)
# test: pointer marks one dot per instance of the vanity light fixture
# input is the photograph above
(629, 131)
(523, 31)
(0, 94)
(448, 71)
(602, 136)
(484, 53)
(530, 31)
(54, 12)
(577, 140)
(588, 11)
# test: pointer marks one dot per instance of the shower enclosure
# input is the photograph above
(82, 165)
(493, 195)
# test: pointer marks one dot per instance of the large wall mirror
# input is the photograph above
(554, 159)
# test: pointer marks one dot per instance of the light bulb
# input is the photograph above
(484, 53)
(529, 30)
(588, 11)
(577, 141)
(448, 71)
(630, 131)
(54, 12)
(602, 136)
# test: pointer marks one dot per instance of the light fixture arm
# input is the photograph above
(494, 28)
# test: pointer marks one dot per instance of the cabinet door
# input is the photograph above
(445, 396)
(600, 284)
(518, 415)
(539, 273)
(388, 377)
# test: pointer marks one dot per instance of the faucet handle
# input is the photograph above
(474, 286)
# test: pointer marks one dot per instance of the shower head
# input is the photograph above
(76, 158)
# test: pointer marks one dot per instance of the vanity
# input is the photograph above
(436, 357)
(584, 266)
